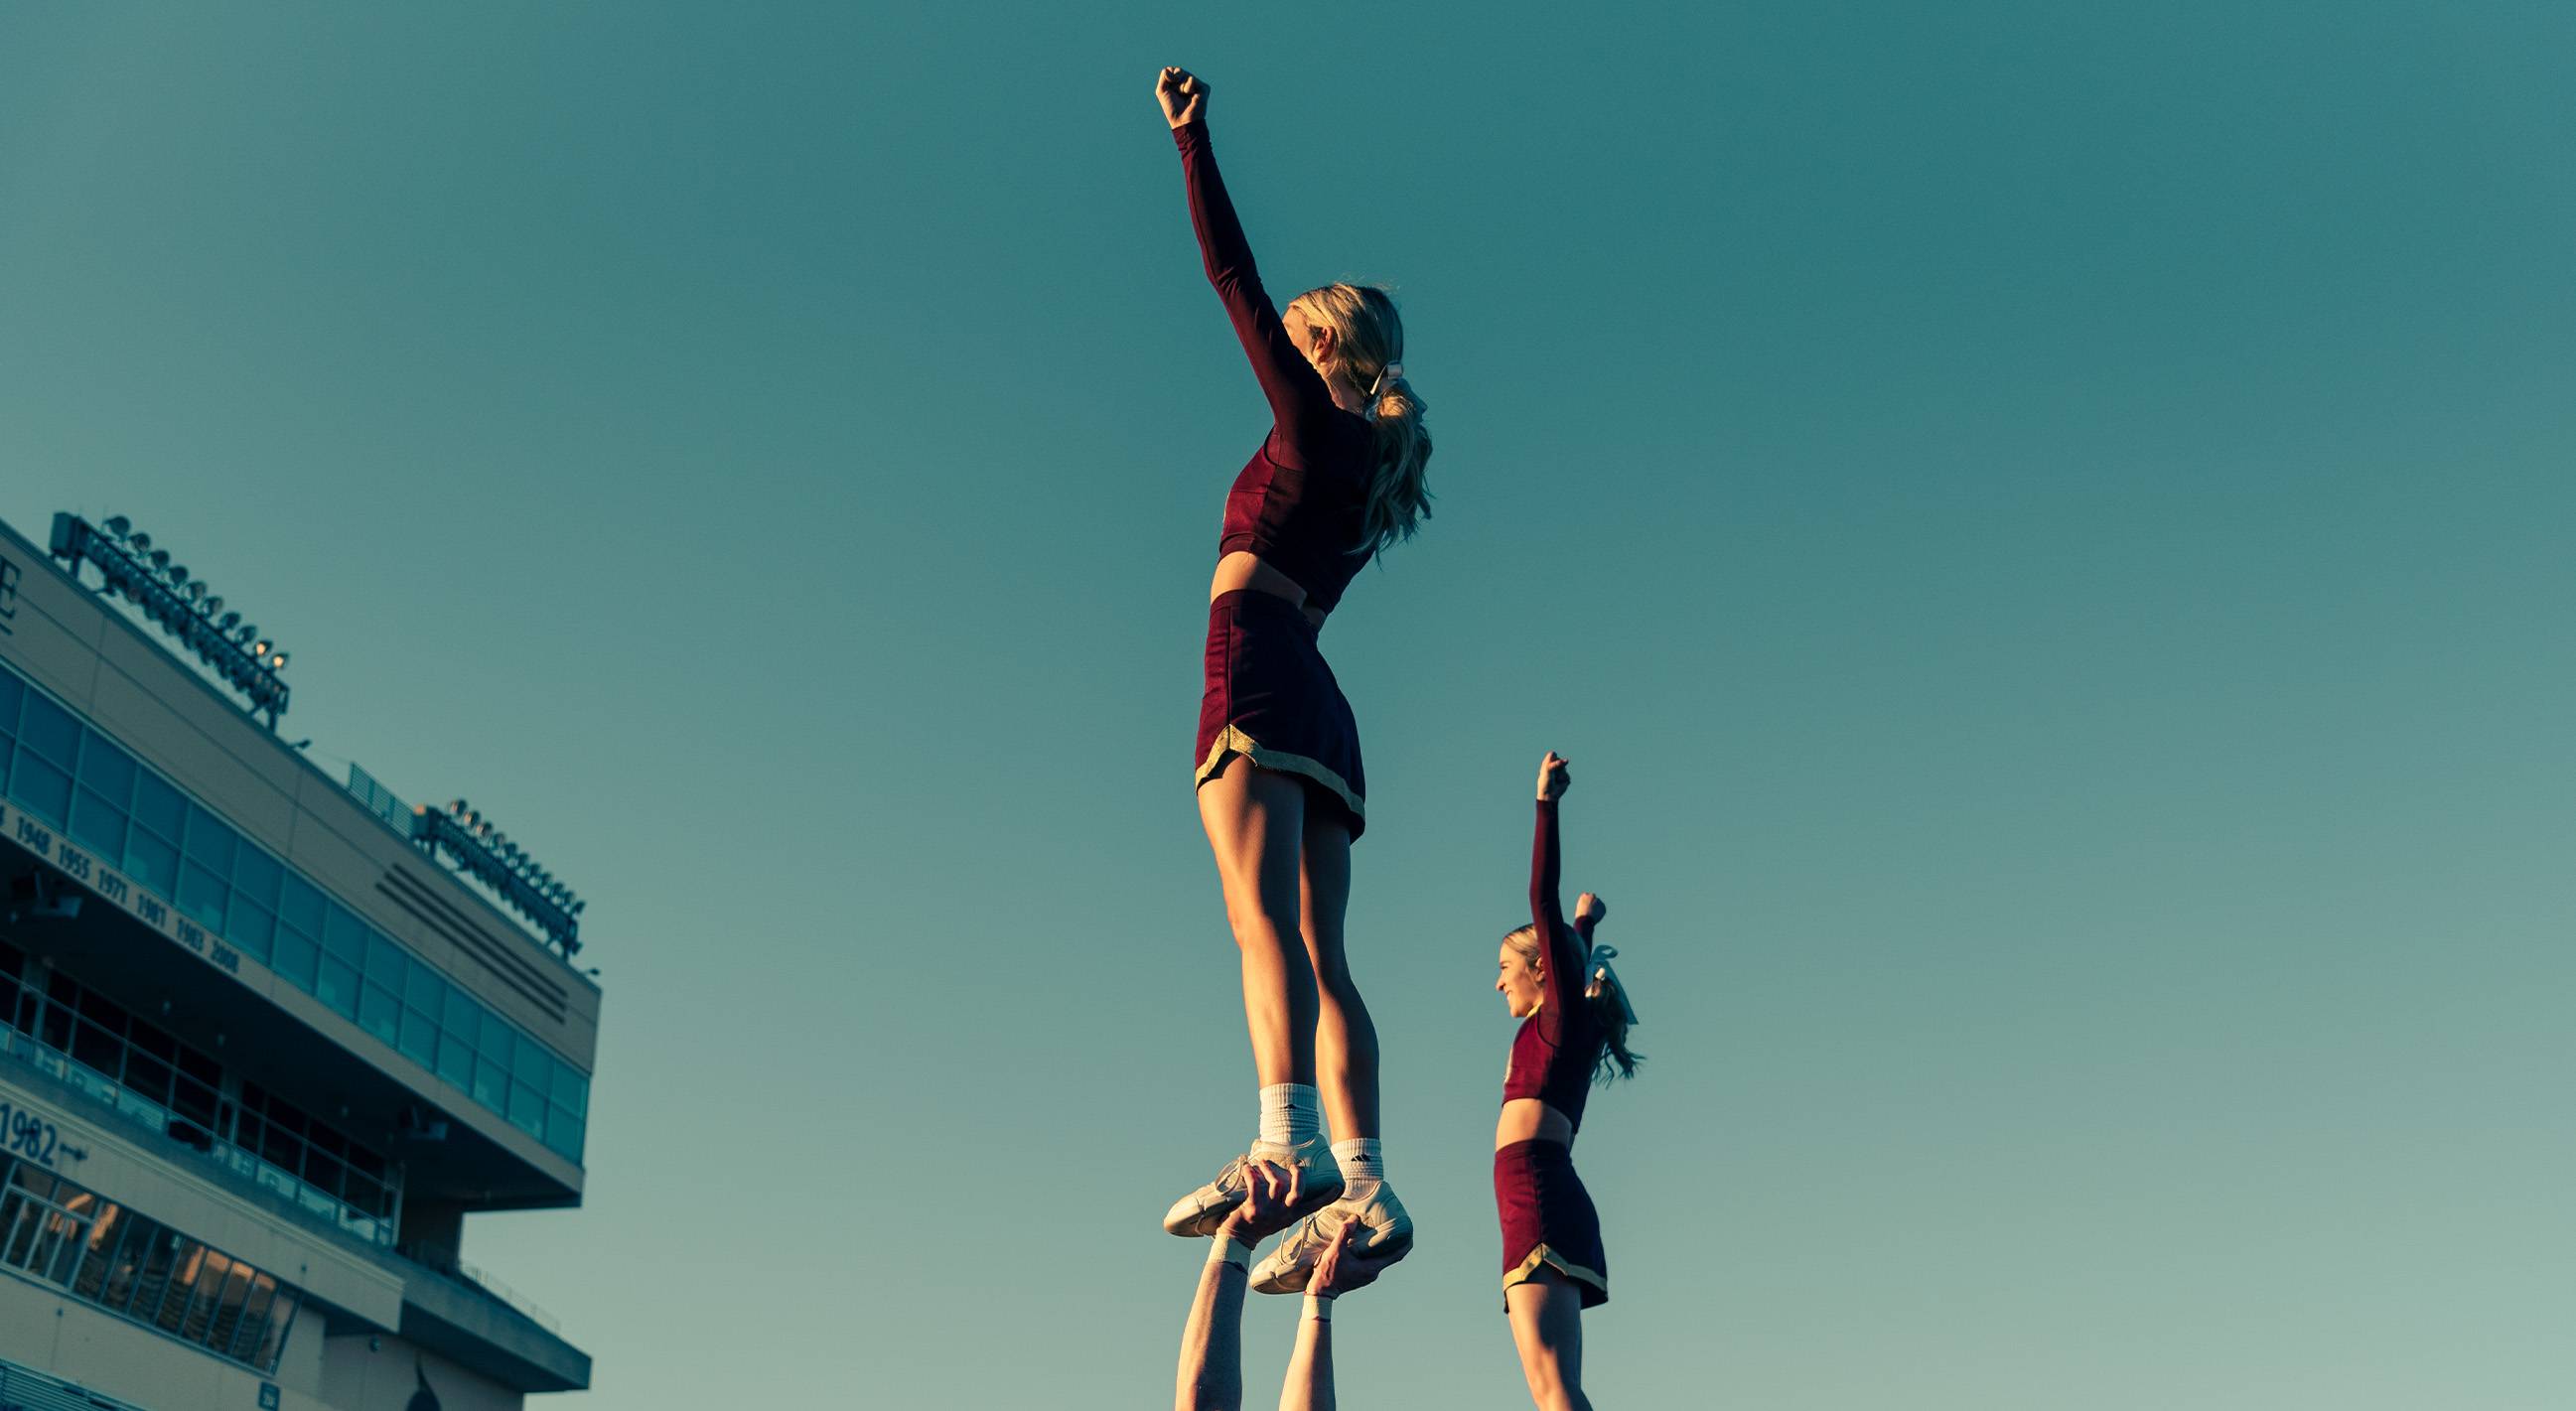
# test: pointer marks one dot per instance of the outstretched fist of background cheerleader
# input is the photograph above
(1554, 776)
(1588, 907)
(1183, 95)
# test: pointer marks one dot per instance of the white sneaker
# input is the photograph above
(1386, 1235)
(1198, 1214)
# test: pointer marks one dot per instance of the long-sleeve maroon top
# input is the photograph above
(1557, 1048)
(1298, 502)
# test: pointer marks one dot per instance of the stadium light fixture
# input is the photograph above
(131, 565)
(465, 837)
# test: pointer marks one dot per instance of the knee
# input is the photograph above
(1333, 979)
(1255, 931)
(1545, 1377)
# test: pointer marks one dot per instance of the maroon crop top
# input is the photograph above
(1299, 502)
(1555, 1052)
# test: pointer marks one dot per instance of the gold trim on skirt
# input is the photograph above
(1558, 1262)
(1231, 741)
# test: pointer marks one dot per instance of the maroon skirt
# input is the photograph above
(1270, 698)
(1548, 1219)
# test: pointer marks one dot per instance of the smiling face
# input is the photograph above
(1520, 982)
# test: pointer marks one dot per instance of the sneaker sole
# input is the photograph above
(1206, 1220)
(1293, 1278)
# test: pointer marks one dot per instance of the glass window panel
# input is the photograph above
(96, 1049)
(285, 1118)
(183, 1287)
(99, 1255)
(255, 875)
(380, 1013)
(534, 1067)
(338, 986)
(41, 788)
(202, 894)
(281, 1320)
(65, 1239)
(54, 1027)
(563, 1133)
(455, 1058)
(151, 860)
(228, 1307)
(198, 1320)
(152, 1041)
(527, 1109)
(464, 1017)
(295, 958)
(491, 1083)
(419, 1037)
(49, 730)
(98, 825)
(300, 906)
(207, 1072)
(107, 771)
(149, 1077)
(424, 990)
(158, 807)
(276, 1145)
(211, 841)
(324, 1173)
(250, 927)
(131, 1254)
(571, 1089)
(263, 1290)
(19, 1217)
(499, 1042)
(75, 1228)
(160, 1255)
(386, 963)
(97, 1008)
(8, 747)
(10, 690)
(344, 935)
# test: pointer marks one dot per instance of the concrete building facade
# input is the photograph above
(261, 1053)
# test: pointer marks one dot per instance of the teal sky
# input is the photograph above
(2044, 532)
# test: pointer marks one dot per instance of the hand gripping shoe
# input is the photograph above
(1198, 1214)
(1386, 1235)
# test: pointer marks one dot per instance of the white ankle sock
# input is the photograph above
(1289, 1113)
(1360, 1160)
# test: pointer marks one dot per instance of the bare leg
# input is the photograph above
(1345, 1039)
(1255, 820)
(1547, 1327)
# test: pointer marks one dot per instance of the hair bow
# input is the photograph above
(1600, 979)
(1392, 372)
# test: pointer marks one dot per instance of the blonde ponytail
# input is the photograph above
(1368, 351)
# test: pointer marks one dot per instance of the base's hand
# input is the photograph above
(1554, 776)
(1270, 1192)
(1588, 907)
(1183, 95)
(1338, 1271)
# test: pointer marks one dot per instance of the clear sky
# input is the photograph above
(2043, 529)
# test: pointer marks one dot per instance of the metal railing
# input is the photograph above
(379, 800)
(447, 1264)
(293, 1190)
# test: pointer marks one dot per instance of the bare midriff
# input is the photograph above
(1528, 1119)
(1245, 569)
